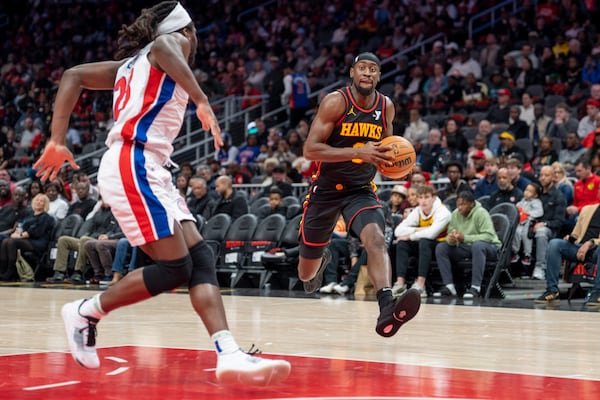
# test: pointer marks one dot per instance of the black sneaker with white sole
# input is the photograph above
(315, 283)
(398, 312)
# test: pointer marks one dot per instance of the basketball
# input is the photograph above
(404, 157)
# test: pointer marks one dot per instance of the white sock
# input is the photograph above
(224, 342)
(451, 288)
(478, 288)
(92, 307)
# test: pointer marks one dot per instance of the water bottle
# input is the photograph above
(19, 228)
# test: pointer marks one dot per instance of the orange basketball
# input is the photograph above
(404, 157)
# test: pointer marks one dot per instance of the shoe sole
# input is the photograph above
(312, 285)
(70, 330)
(271, 374)
(407, 306)
(555, 301)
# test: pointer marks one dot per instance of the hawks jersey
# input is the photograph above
(356, 127)
(148, 106)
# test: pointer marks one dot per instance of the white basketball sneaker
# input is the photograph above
(81, 334)
(243, 368)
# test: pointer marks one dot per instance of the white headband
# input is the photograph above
(176, 20)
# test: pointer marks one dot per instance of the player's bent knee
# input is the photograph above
(203, 270)
(167, 275)
(311, 252)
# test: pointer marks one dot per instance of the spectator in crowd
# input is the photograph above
(562, 182)
(489, 56)
(588, 123)
(250, 150)
(34, 236)
(199, 201)
(84, 204)
(515, 172)
(585, 189)
(398, 200)
(465, 65)
(34, 188)
(13, 213)
(182, 185)
(546, 155)
(454, 171)
(471, 235)
(457, 144)
(562, 124)
(80, 176)
(480, 145)
(474, 92)
(476, 166)
(275, 204)
(230, 201)
(431, 151)
(280, 181)
(59, 207)
(539, 126)
(104, 226)
(487, 185)
(295, 93)
(517, 127)
(5, 194)
(580, 245)
(436, 85)
(5, 176)
(572, 151)
(549, 225)
(417, 131)
(527, 110)
(417, 236)
(530, 210)
(239, 175)
(507, 191)
(508, 149)
(499, 113)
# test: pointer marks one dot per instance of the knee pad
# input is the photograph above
(203, 268)
(167, 275)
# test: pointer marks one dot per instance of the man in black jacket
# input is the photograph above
(230, 201)
(199, 201)
(554, 214)
(507, 192)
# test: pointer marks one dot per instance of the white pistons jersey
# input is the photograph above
(148, 106)
(148, 110)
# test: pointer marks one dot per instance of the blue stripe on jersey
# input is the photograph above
(166, 93)
(157, 212)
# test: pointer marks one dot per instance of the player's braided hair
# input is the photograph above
(142, 31)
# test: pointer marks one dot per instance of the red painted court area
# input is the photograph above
(163, 373)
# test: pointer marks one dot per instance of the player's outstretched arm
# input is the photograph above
(95, 76)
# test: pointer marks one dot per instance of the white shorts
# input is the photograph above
(141, 193)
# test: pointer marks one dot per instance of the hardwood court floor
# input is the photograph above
(159, 349)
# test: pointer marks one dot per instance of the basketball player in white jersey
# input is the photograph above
(152, 82)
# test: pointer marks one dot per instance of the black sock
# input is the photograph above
(384, 297)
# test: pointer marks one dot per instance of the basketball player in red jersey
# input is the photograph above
(344, 139)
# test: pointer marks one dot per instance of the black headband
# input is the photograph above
(367, 56)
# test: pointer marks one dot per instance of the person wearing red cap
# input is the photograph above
(476, 165)
(587, 124)
(499, 112)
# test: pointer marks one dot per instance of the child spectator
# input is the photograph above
(530, 209)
